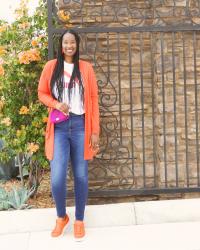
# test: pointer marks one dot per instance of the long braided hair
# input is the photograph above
(58, 73)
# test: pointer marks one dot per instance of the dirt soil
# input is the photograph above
(42, 199)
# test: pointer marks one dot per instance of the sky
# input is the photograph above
(8, 7)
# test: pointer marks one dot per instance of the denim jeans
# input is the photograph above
(69, 145)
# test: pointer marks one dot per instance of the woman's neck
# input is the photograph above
(69, 60)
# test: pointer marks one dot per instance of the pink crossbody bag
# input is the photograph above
(57, 116)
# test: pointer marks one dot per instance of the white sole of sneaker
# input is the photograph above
(79, 239)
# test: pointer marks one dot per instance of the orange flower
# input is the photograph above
(32, 147)
(34, 43)
(2, 72)
(63, 15)
(23, 110)
(6, 121)
(25, 57)
(45, 119)
(2, 51)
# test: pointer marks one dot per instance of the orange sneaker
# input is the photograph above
(61, 223)
(79, 230)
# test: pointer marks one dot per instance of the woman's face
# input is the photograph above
(69, 45)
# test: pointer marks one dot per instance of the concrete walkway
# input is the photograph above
(152, 225)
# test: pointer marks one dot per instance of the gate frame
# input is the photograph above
(129, 29)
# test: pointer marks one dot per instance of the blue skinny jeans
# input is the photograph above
(69, 144)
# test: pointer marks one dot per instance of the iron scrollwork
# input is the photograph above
(127, 13)
(112, 163)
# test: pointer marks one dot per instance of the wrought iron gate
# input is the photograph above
(147, 61)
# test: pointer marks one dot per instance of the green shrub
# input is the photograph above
(23, 52)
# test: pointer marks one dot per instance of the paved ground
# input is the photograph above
(157, 225)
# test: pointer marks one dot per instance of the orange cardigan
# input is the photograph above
(90, 104)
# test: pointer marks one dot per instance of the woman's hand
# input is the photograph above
(94, 142)
(61, 106)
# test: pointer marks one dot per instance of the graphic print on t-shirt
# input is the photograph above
(67, 77)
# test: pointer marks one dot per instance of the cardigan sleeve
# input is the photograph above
(44, 94)
(94, 99)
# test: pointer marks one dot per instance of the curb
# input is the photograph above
(111, 215)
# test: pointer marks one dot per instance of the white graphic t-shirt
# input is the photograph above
(75, 104)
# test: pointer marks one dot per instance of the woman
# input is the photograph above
(69, 85)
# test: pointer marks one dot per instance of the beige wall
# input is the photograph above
(113, 69)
